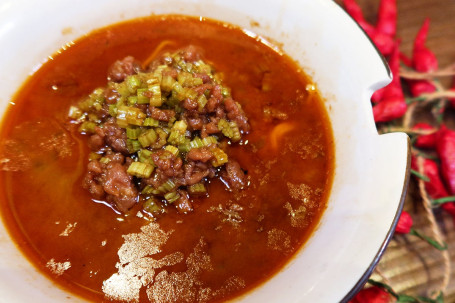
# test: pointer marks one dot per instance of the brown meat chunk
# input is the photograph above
(189, 104)
(115, 136)
(183, 204)
(203, 87)
(121, 69)
(234, 175)
(191, 53)
(119, 186)
(95, 142)
(161, 114)
(194, 172)
(93, 186)
(215, 99)
(167, 163)
(235, 113)
(95, 166)
(111, 96)
(202, 154)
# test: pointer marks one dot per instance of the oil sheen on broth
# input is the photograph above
(231, 241)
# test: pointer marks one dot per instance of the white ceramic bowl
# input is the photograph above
(371, 170)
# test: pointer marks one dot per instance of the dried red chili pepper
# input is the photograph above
(383, 41)
(404, 223)
(389, 109)
(405, 59)
(445, 148)
(393, 89)
(452, 88)
(387, 17)
(354, 10)
(434, 186)
(373, 294)
(423, 59)
(418, 87)
(425, 141)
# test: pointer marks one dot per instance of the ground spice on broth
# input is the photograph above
(232, 241)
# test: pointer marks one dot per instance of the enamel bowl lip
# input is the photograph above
(346, 76)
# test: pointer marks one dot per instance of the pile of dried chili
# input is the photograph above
(415, 84)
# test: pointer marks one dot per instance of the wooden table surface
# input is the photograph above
(410, 265)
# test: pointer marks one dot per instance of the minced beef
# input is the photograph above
(159, 133)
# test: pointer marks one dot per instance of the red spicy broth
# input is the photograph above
(232, 241)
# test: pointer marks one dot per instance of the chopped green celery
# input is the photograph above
(132, 100)
(176, 137)
(236, 136)
(177, 134)
(185, 147)
(209, 140)
(219, 155)
(171, 197)
(97, 106)
(93, 118)
(142, 96)
(133, 82)
(155, 89)
(191, 93)
(133, 132)
(185, 79)
(229, 129)
(178, 92)
(171, 122)
(105, 160)
(162, 137)
(187, 66)
(129, 115)
(140, 170)
(166, 187)
(87, 127)
(122, 89)
(202, 67)
(198, 188)
(98, 92)
(226, 92)
(218, 77)
(172, 149)
(180, 126)
(179, 110)
(113, 110)
(147, 190)
(158, 72)
(172, 101)
(145, 156)
(188, 80)
(86, 105)
(74, 112)
(196, 143)
(223, 126)
(132, 145)
(201, 102)
(167, 130)
(151, 122)
(167, 83)
(148, 138)
(152, 206)
(93, 156)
